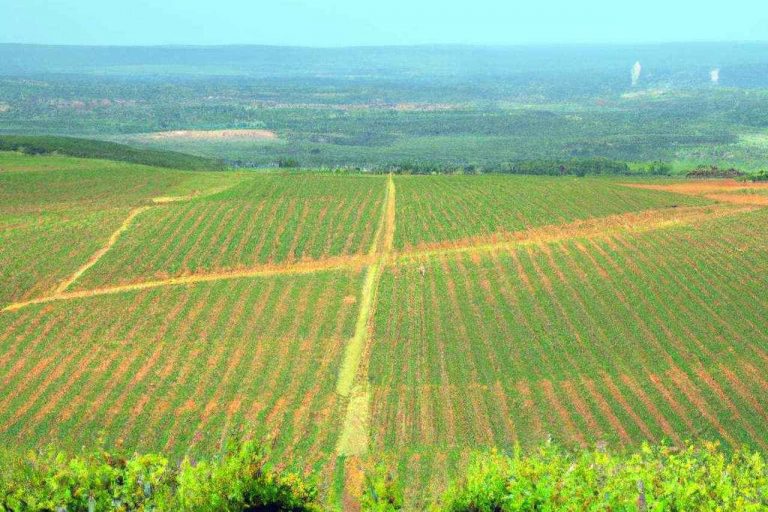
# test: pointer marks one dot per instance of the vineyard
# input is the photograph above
(446, 210)
(341, 315)
(265, 221)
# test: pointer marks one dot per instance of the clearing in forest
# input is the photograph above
(209, 135)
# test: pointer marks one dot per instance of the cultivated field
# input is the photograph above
(414, 318)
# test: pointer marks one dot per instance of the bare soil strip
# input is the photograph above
(211, 135)
(701, 187)
(590, 228)
(349, 262)
(382, 245)
(353, 375)
(722, 191)
(101, 252)
(194, 195)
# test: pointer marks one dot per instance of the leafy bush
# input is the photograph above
(240, 479)
(288, 163)
(570, 167)
(699, 477)
(381, 492)
(51, 480)
(658, 168)
(713, 171)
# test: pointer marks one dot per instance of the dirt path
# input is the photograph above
(353, 375)
(722, 191)
(260, 271)
(101, 252)
(381, 253)
(648, 220)
(124, 227)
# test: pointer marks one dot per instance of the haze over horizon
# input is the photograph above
(340, 23)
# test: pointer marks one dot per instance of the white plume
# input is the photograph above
(636, 70)
(714, 75)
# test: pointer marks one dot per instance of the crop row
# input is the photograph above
(266, 220)
(37, 253)
(445, 209)
(56, 212)
(36, 184)
(173, 368)
(658, 336)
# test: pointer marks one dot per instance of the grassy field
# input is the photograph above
(342, 316)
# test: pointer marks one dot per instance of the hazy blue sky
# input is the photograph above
(362, 22)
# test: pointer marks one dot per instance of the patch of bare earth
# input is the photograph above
(723, 191)
(212, 135)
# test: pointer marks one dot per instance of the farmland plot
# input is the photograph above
(622, 338)
(446, 210)
(38, 252)
(340, 316)
(174, 368)
(264, 221)
(55, 212)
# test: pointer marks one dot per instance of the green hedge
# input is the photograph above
(239, 479)
(86, 148)
(569, 167)
(699, 477)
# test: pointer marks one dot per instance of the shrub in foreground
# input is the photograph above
(697, 478)
(240, 479)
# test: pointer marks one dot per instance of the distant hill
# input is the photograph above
(85, 148)
(741, 64)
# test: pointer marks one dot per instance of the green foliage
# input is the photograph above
(658, 168)
(84, 148)
(759, 176)
(382, 493)
(287, 163)
(240, 479)
(698, 477)
(53, 480)
(713, 171)
(569, 167)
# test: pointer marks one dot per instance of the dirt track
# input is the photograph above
(631, 222)
(353, 375)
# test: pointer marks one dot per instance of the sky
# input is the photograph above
(324, 23)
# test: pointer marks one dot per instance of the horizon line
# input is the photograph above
(201, 46)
